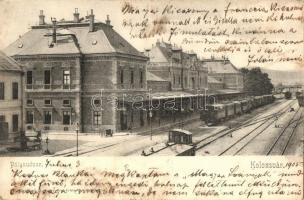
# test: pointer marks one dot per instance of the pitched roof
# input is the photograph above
(220, 66)
(213, 80)
(72, 40)
(153, 77)
(8, 64)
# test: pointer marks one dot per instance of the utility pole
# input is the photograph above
(77, 130)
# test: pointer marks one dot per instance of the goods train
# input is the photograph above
(215, 113)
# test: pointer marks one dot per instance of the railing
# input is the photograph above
(50, 86)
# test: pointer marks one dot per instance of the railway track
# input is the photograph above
(214, 137)
(241, 144)
(275, 148)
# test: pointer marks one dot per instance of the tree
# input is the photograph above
(256, 82)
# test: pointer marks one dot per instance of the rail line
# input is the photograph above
(281, 111)
(259, 133)
(284, 131)
(248, 134)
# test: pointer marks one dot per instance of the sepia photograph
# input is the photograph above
(113, 79)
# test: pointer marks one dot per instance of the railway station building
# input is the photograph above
(76, 73)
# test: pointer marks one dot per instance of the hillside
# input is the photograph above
(285, 77)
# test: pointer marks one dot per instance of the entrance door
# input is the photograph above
(123, 120)
(3, 130)
(141, 116)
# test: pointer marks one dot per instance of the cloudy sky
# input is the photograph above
(16, 17)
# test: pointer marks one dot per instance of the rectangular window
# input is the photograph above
(141, 78)
(47, 79)
(66, 102)
(47, 117)
(121, 76)
(97, 102)
(15, 90)
(66, 79)
(15, 123)
(97, 118)
(29, 117)
(47, 102)
(29, 102)
(2, 118)
(66, 116)
(2, 90)
(29, 77)
(132, 77)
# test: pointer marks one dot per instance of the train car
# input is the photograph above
(214, 113)
(237, 108)
(267, 99)
(246, 105)
(257, 101)
(301, 100)
(179, 144)
(229, 110)
(288, 95)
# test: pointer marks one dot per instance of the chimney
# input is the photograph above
(108, 22)
(76, 16)
(41, 18)
(54, 40)
(91, 17)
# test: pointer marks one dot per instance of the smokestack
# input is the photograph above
(76, 16)
(91, 28)
(108, 22)
(41, 18)
(54, 39)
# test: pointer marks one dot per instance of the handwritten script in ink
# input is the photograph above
(60, 179)
(264, 31)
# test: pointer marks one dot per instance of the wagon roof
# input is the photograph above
(182, 131)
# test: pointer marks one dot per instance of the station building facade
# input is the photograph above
(75, 73)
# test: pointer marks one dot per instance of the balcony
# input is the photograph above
(50, 87)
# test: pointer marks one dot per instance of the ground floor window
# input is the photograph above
(15, 123)
(97, 118)
(66, 117)
(47, 117)
(29, 117)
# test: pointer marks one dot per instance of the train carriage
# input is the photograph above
(214, 113)
(179, 144)
(246, 105)
(257, 101)
(229, 108)
(237, 108)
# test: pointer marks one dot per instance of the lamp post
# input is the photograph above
(150, 116)
(182, 117)
(77, 130)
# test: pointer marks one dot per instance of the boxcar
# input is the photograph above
(237, 108)
(229, 110)
(257, 101)
(214, 113)
(246, 105)
(179, 144)
(288, 95)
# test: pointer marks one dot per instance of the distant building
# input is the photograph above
(184, 71)
(225, 72)
(77, 73)
(10, 97)
(214, 84)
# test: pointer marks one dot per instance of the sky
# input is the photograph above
(16, 17)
